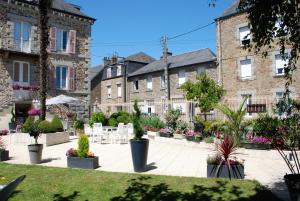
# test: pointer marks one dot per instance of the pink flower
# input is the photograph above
(260, 140)
(34, 112)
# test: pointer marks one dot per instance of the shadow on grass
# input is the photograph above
(60, 197)
(141, 190)
(47, 160)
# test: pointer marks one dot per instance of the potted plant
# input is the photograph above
(4, 154)
(139, 145)
(165, 132)
(35, 150)
(82, 157)
(257, 142)
(12, 125)
(79, 125)
(289, 134)
(179, 131)
(192, 136)
(223, 164)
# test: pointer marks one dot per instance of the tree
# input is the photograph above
(205, 91)
(44, 7)
(235, 118)
(136, 120)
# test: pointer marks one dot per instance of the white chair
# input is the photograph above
(130, 130)
(116, 135)
(88, 130)
(124, 134)
(97, 131)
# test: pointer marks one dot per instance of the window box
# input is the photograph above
(236, 171)
(248, 145)
(4, 155)
(85, 163)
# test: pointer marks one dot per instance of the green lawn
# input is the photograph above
(58, 184)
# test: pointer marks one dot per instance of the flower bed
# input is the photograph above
(192, 136)
(165, 132)
(260, 143)
(4, 132)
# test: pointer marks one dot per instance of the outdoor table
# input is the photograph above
(109, 128)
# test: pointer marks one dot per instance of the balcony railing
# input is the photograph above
(25, 92)
(19, 45)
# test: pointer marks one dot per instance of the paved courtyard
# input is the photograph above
(166, 157)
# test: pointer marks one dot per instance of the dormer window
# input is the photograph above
(108, 72)
(244, 35)
(119, 70)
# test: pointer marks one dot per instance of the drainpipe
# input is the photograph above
(220, 80)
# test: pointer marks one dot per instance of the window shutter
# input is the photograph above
(8, 43)
(31, 74)
(71, 78)
(71, 45)
(52, 77)
(52, 38)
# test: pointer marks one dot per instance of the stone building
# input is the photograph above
(110, 87)
(243, 73)
(148, 85)
(69, 55)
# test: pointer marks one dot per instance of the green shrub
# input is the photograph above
(137, 127)
(112, 122)
(209, 127)
(28, 124)
(121, 117)
(208, 140)
(83, 146)
(181, 126)
(98, 117)
(57, 124)
(171, 119)
(153, 122)
(265, 125)
(79, 124)
(46, 127)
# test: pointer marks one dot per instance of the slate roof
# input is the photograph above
(140, 57)
(69, 8)
(231, 10)
(190, 58)
(92, 72)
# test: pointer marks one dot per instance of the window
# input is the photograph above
(181, 77)
(244, 35)
(149, 82)
(108, 72)
(108, 91)
(119, 70)
(149, 108)
(61, 40)
(279, 96)
(119, 90)
(22, 36)
(21, 72)
(200, 70)
(248, 102)
(163, 81)
(246, 71)
(136, 85)
(179, 104)
(61, 77)
(280, 63)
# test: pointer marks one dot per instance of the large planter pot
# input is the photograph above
(4, 155)
(35, 153)
(292, 182)
(139, 153)
(248, 145)
(178, 136)
(165, 134)
(193, 138)
(12, 126)
(236, 171)
(50, 139)
(85, 163)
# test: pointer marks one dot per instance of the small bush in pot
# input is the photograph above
(112, 122)
(172, 118)
(79, 125)
(82, 157)
(46, 127)
(57, 124)
(139, 145)
(4, 154)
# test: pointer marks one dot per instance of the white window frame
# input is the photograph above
(285, 63)
(109, 95)
(248, 101)
(181, 77)
(22, 43)
(108, 75)
(119, 90)
(242, 66)
(62, 39)
(135, 85)
(163, 81)
(242, 36)
(149, 81)
(119, 70)
(21, 72)
(67, 77)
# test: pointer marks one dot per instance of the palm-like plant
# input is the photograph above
(235, 118)
(44, 7)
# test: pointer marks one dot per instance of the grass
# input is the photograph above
(58, 184)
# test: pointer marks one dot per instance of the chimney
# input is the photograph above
(114, 59)
(106, 61)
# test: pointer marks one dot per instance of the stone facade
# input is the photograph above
(75, 32)
(264, 85)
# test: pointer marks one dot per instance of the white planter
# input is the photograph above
(47, 139)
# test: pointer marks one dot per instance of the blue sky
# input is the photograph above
(126, 27)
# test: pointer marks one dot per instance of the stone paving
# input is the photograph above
(166, 157)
